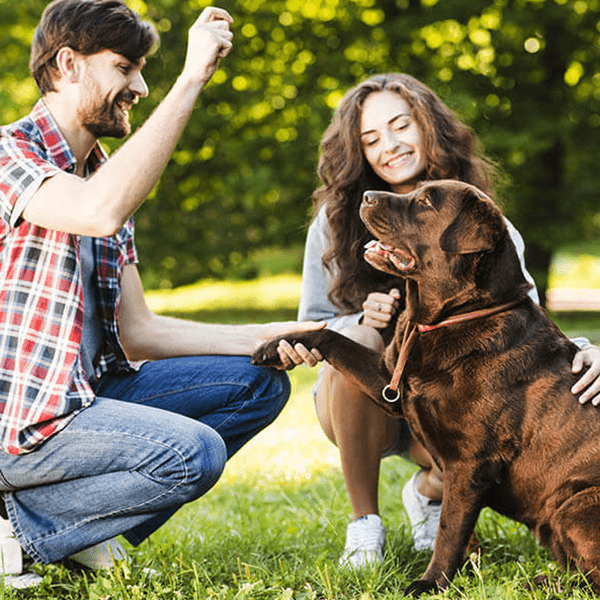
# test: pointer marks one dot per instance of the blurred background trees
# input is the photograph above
(524, 74)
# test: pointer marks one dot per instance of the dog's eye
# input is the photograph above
(426, 200)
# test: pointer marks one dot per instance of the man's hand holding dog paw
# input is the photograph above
(588, 356)
(298, 354)
(277, 352)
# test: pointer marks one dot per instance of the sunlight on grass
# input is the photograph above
(575, 272)
(266, 293)
(293, 448)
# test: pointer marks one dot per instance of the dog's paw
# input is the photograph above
(266, 355)
(421, 586)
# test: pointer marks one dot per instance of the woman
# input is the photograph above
(389, 133)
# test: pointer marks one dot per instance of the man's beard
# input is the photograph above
(103, 118)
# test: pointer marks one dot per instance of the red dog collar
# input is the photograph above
(410, 334)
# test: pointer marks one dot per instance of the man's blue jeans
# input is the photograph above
(151, 442)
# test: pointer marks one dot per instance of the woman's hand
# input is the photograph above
(588, 356)
(379, 308)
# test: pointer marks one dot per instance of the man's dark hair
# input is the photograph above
(88, 27)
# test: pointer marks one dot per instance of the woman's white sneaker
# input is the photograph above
(423, 514)
(365, 540)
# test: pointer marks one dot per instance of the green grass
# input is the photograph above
(274, 526)
(270, 298)
(576, 266)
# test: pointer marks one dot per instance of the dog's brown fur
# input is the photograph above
(489, 397)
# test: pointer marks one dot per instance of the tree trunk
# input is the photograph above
(538, 264)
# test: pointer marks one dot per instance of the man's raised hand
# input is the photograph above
(209, 40)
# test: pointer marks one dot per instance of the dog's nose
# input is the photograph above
(370, 197)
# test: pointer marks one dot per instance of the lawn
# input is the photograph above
(274, 526)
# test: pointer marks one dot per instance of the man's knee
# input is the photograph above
(192, 466)
(272, 392)
(206, 461)
(281, 391)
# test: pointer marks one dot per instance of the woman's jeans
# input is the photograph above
(151, 442)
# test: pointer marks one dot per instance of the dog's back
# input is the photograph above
(554, 440)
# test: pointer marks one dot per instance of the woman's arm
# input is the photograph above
(314, 302)
(517, 240)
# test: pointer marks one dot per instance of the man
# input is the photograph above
(94, 444)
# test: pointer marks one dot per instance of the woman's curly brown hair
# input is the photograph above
(450, 149)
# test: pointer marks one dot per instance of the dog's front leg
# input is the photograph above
(362, 365)
(460, 509)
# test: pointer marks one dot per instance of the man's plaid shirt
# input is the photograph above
(42, 383)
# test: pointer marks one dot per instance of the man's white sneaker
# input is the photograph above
(11, 560)
(101, 556)
(365, 539)
(423, 514)
(11, 556)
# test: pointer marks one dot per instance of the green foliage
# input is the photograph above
(18, 92)
(523, 73)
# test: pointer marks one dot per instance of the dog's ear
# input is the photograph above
(477, 227)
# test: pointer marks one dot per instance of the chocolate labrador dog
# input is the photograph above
(480, 373)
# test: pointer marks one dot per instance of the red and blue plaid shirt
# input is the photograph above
(42, 382)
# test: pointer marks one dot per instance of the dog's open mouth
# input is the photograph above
(380, 256)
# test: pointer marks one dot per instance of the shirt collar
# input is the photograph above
(57, 145)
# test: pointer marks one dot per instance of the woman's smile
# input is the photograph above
(391, 140)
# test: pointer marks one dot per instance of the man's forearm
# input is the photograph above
(124, 182)
(127, 179)
(166, 337)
